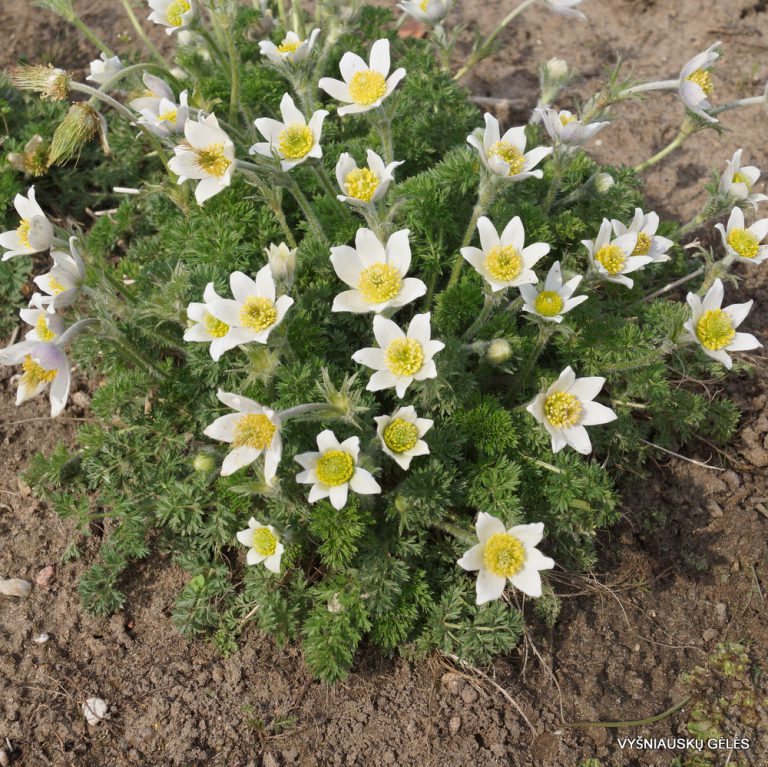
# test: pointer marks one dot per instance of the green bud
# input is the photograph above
(204, 462)
(603, 182)
(498, 351)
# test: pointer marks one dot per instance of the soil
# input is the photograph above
(685, 570)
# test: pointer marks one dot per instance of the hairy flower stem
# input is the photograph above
(546, 331)
(383, 124)
(314, 408)
(154, 52)
(322, 176)
(673, 285)
(488, 306)
(307, 209)
(687, 129)
(234, 77)
(135, 69)
(661, 85)
(748, 102)
(91, 35)
(634, 722)
(455, 531)
(74, 330)
(657, 355)
(559, 166)
(97, 95)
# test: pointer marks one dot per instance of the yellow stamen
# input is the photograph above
(744, 242)
(169, 116)
(176, 10)
(367, 86)
(44, 333)
(548, 303)
(643, 246)
(563, 410)
(510, 154)
(23, 232)
(211, 159)
(35, 374)
(379, 283)
(258, 313)
(335, 467)
(215, 326)
(715, 330)
(504, 263)
(423, 5)
(612, 257)
(289, 47)
(264, 542)
(404, 356)
(295, 141)
(401, 435)
(703, 79)
(54, 286)
(361, 183)
(565, 119)
(254, 430)
(740, 178)
(504, 555)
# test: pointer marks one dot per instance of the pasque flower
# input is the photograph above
(173, 14)
(104, 69)
(400, 435)
(737, 181)
(333, 470)
(650, 244)
(164, 117)
(713, 327)
(612, 258)
(364, 186)
(742, 243)
(503, 555)
(34, 233)
(155, 89)
(63, 282)
(282, 262)
(565, 128)
(566, 8)
(252, 430)
(376, 273)
(294, 139)
(695, 83)
(566, 408)
(556, 297)
(46, 326)
(426, 11)
(364, 86)
(292, 49)
(264, 545)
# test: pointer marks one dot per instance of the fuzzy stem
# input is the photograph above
(673, 285)
(488, 307)
(101, 96)
(383, 125)
(649, 359)
(454, 530)
(300, 410)
(661, 85)
(154, 52)
(306, 207)
(751, 101)
(322, 176)
(234, 71)
(74, 330)
(135, 69)
(634, 722)
(686, 130)
(91, 35)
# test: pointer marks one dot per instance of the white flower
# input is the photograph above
(64, 280)
(400, 435)
(565, 128)
(744, 244)
(714, 328)
(505, 155)
(737, 181)
(294, 139)
(503, 555)
(173, 14)
(376, 274)
(207, 154)
(695, 85)
(426, 11)
(45, 325)
(282, 261)
(554, 300)
(364, 186)
(566, 8)
(35, 232)
(165, 117)
(648, 242)
(208, 329)
(292, 49)
(254, 311)
(365, 86)
(613, 259)
(252, 430)
(264, 546)
(401, 358)
(104, 69)
(504, 261)
(43, 363)
(333, 471)
(155, 90)
(566, 408)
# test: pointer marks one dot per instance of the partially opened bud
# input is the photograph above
(51, 83)
(80, 126)
(498, 351)
(33, 160)
(204, 462)
(603, 182)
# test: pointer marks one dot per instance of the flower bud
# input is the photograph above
(204, 462)
(80, 125)
(282, 261)
(498, 351)
(51, 83)
(557, 69)
(603, 182)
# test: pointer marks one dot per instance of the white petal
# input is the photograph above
(473, 558)
(489, 586)
(488, 525)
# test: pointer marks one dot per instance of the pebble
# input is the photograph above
(43, 578)
(269, 760)
(15, 587)
(454, 725)
(709, 635)
(452, 682)
(714, 509)
(721, 611)
(4, 760)
(94, 710)
(41, 638)
(469, 694)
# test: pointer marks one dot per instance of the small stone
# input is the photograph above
(41, 638)
(94, 710)
(81, 399)
(721, 611)
(269, 760)
(4, 760)
(44, 576)
(24, 488)
(452, 682)
(388, 757)
(15, 587)
(454, 725)
(709, 635)
(469, 694)
(714, 509)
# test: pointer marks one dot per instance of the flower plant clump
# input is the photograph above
(301, 392)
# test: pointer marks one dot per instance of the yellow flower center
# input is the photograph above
(715, 329)
(54, 286)
(379, 283)
(703, 79)
(289, 47)
(254, 430)
(643, 246)
(612, 257)
(510, 154)
(23, 232)
(404, 356)
(740, 178)
(44, 333)
(169, 116)
(361, 183)
(367, 86)
(563, 410)
(503, 263)
(258, 313)
(565, 119)
(264, 542)
(504, 555)
(744, 242)
(335, 467)
(548, 303)
(215, 326)
(401, 435)
(35, 374)
(296, 141)
(211, 159)
(176, 10)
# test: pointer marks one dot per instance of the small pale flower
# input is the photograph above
(104, 69)
(45, 325)
(282, 261)
(737, 181)
(401, 435)
(292, 49)
(252, 430)
(426, 11)
(648, 242)
(566, 8)
(33, 161)
(35, 232)
(504, 261)
(43, 364)
(564, 128)
(364, 186)
(255, 311)
(742, 243)
(401, 358)
(166, 118)
(206, 328)
(503, 555)
(375, 273)
(714, 328)
(264, 546)
(364, 86)
(611, 258)
(505, 156)
(294, 139)
(333, 470)
(566, 408)
(63, 282)
(155, 89)
(207, 155)
(556, 297)
(695, 86)
(173, 14)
